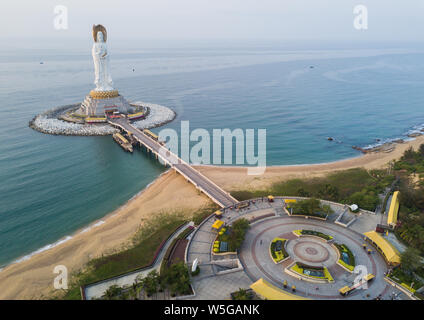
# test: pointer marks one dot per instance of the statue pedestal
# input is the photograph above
(97, 103)
(104, 94)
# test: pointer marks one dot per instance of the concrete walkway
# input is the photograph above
(96, 290)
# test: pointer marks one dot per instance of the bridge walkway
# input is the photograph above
(212, 190)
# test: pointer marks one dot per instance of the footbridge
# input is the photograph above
(208, 187)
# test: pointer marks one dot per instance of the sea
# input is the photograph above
(54, 186)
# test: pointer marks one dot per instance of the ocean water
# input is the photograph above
(51, 186)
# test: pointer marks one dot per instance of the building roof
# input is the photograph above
(390, 252)
(394, 209)
(271, 292)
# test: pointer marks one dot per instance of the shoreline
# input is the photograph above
(100, 221)
(239, 177)
(168, 191)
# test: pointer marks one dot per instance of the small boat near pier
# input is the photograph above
(123, 142)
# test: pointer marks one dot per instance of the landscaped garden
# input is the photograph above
(277, 250)
(173, 281)
(348, 186)
(408, 281)
(312, 233)
(347, 258)
(310, 207)
(320, 273)
(230, 238)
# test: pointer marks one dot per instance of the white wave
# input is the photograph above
(42, 249)
(418, 129)
(99, 223)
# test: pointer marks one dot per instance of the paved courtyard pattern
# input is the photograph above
(268, 221)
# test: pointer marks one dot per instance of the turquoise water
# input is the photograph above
(52, 186)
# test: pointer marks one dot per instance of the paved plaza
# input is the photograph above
(269, 221)
(311, 251)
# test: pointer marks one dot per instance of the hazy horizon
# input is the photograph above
(202, 20)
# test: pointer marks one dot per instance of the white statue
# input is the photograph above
(103, 79)
(195, 264)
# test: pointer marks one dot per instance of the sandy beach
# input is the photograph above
(33, 278)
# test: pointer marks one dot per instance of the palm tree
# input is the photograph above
(112, 292)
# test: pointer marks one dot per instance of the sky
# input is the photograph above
(326, 20)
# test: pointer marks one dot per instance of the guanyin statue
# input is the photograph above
(103, 78)
(104, 99)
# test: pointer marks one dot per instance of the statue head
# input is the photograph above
(100, 36)
(99, 33)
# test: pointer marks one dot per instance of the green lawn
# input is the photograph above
(348, 186)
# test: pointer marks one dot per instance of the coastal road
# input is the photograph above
(212, 190)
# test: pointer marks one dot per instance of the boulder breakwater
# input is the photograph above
(49, 122)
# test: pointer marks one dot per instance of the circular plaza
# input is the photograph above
(308, 255)
(292, 256)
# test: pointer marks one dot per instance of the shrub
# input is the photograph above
(112, 293)
(195, 272)
(281, 254)
(316, 233)
(236, 234)
(310, 207)
(242, 294)
(177, 279)
(150, 283)
(338, 186)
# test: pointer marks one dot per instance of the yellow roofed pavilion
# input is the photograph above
(268, 291)
(394, 210)
(385, 247)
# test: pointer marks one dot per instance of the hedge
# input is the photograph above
(316, 233)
